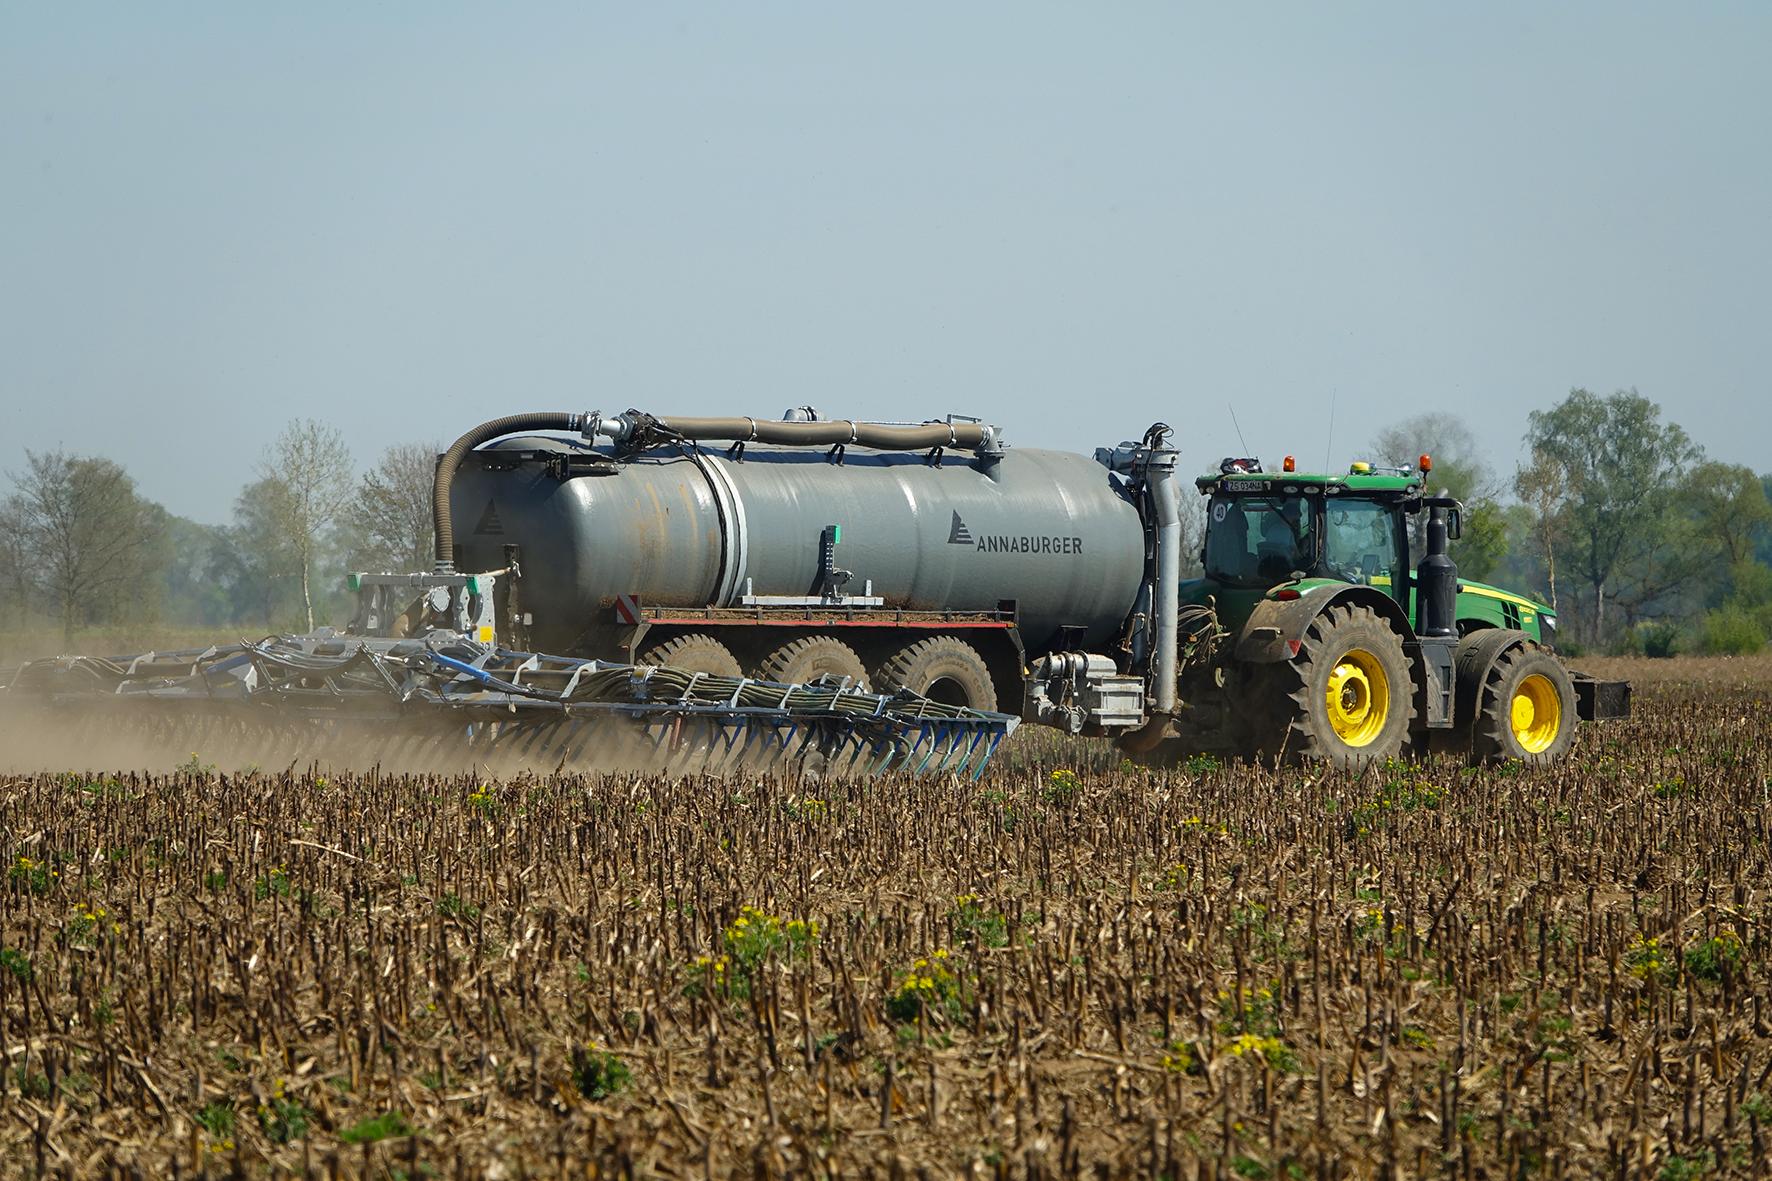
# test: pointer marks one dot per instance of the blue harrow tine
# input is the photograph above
(931, 733)
(990, 753)
(971, 749)
(730, 729)
(665, 730)
(585, 737)
(599, 735)
(882, 755)
(965, 750)
(947, 750)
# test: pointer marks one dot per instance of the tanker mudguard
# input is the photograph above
(1275, 628)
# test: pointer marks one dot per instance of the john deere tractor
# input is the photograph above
(1316, 636)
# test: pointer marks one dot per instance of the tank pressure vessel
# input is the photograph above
(686, 527)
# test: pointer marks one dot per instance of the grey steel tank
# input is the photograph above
(1048, 529)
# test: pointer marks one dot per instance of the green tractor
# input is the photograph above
(1314, 636)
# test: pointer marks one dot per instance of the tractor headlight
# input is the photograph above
(1547, 629)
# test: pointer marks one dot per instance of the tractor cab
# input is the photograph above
(1285, 533)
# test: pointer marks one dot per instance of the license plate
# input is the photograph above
(1245, 485)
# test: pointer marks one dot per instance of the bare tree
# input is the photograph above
(86, 536)
(1459, 471)
(1193, 534)
(391, 515)
(1459, 468)
(16, 591)
(1546, 487)
(307, 477)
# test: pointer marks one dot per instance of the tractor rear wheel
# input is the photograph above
(1348, 691)
(694, 654)
(942, 669)
(811, 657)
(1527, 711)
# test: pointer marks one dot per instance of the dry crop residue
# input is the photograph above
(1208, 971)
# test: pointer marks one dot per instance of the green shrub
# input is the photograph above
(387, 1126)
(1660, 640)
(217, 1119)
(283, 1119)
(1732, 632)
(18, 963)
(598, 1075)
(1706, 960)
(930, 982)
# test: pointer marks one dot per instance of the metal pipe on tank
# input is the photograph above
(823, 433)
(1160, 477)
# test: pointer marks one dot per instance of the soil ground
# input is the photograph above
(1070, 967)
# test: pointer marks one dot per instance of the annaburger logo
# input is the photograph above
(999, 544)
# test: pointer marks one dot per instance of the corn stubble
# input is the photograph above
(1069, 968)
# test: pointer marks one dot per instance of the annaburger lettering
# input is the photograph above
(1031, 545)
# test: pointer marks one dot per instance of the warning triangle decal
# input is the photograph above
(489, 522)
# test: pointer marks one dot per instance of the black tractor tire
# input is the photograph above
(1346, 698)
(811, 657)
(694, 654)
(1527, 710)
(942, 669)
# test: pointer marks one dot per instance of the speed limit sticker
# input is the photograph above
(1218, 511)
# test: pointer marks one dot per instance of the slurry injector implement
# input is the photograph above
(449, 698)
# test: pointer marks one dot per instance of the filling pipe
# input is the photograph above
(1160, 477)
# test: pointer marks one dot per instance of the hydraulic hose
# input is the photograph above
(484, 433)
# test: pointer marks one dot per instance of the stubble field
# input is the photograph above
(1068, 968)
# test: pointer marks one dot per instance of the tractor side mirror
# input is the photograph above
(1454, 524)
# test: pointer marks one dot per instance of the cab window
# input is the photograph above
(1258, 542)
(1359, 542)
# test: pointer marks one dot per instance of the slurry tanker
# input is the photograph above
(935, 560)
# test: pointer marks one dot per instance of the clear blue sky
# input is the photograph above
(1072, 220)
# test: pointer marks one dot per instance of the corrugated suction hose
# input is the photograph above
(485, 432)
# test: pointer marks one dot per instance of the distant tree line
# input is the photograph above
(81, 548)
(1616, 519)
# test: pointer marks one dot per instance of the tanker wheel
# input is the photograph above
(1527, 710)
(811, 657)
(694, 654)
(942, 669)
(1348, 691)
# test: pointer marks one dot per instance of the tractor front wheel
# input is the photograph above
(1350, 697)
(1527, 710)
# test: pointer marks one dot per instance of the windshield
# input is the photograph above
(1359, 542)
(1258, 541)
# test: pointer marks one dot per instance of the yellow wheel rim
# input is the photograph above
(1359, 698)
(1536, 714)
